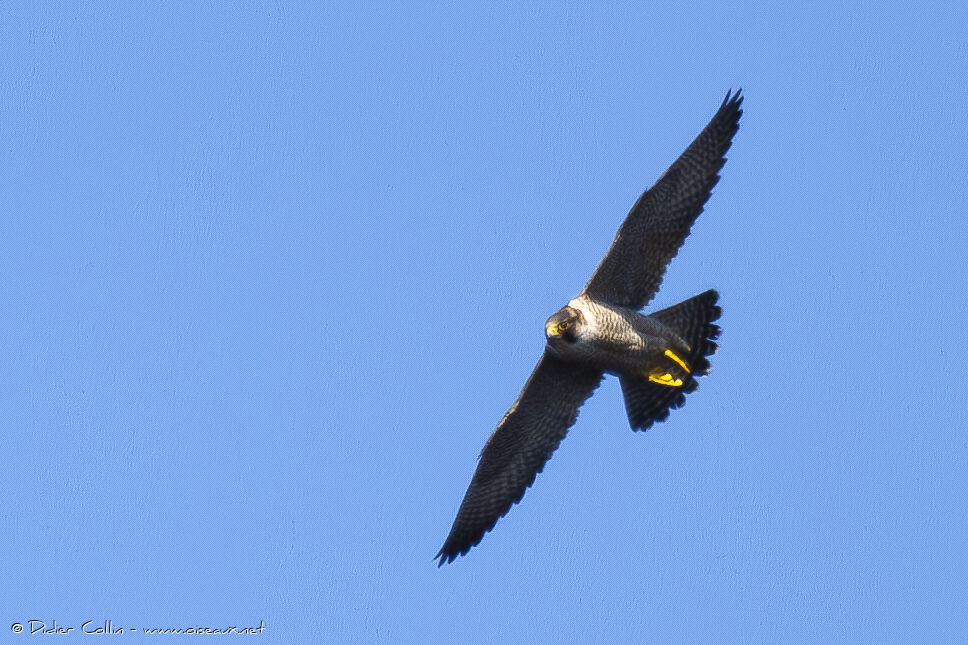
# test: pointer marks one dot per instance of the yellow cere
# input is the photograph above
(681, 362)
(552, 330)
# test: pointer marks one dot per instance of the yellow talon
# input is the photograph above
(671, 354)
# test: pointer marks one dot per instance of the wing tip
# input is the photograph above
(451, 551)
(454, 548)
(731, 109)
(733, 99)
(444, 558)
(729, 114)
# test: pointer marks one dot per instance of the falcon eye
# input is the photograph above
(564, 325)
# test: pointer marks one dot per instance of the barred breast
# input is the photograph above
(609, 339)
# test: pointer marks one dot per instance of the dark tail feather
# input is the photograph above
(693, 320)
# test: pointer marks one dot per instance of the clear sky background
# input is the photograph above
(273, 272)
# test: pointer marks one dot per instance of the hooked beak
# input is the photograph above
(551, 331)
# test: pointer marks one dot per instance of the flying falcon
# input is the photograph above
(656, 358)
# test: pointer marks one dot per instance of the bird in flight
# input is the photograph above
(656, 357)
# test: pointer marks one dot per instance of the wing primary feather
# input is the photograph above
(518, 449)
(650, 236)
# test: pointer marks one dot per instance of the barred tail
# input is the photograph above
(647, 401)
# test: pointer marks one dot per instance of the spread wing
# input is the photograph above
(659, 222)
(517, 451)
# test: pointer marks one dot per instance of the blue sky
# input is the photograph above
(274, 272)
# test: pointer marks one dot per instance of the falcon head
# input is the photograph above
(564, 326)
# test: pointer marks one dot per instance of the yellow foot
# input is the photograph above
(664, 378)
(671, 354)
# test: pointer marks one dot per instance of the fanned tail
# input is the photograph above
(648, 400)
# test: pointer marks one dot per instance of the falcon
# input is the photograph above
(657, 357)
